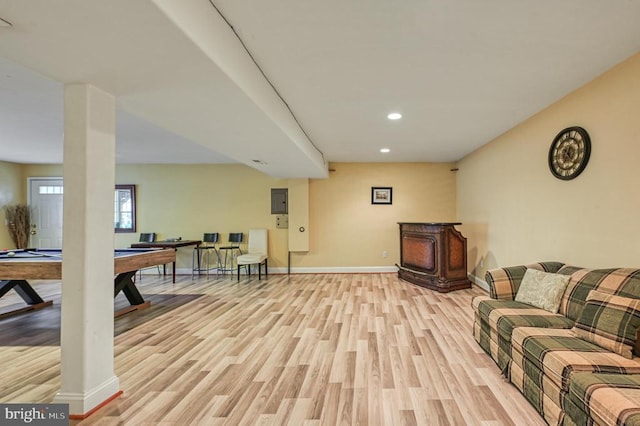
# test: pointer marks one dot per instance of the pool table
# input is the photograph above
(18, 266)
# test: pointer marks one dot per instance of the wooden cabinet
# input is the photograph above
(433, 255)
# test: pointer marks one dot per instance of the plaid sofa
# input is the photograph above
(541, 353)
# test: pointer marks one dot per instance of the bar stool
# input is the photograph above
(148, 237)
(231, 251)
(201, 259)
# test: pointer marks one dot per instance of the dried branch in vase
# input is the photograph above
(19, 223)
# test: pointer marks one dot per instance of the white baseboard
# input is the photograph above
(81, 403)
(328, 270)
(343, 270)
(309, 270)
(479, 282)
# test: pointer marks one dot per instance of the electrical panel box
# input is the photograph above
(279, 201)
(282, 221)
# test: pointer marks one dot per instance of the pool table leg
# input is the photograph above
(124, 282)
(26, 292)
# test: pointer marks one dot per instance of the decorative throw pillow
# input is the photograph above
(543, 290)
(610, 322)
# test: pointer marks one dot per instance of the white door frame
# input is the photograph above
(30, 181)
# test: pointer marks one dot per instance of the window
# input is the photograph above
(125, 208)
(51, 189)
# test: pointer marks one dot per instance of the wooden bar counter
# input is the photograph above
(433, 255)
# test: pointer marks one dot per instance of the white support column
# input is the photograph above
(88, 378)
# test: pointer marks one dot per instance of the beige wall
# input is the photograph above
(189, 200)
(346, 230)
(12, 191)
(514, 211)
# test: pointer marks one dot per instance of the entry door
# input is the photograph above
(45, 199)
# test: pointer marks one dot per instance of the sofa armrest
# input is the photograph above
(504, 282)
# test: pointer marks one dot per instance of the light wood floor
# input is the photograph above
(317, 349)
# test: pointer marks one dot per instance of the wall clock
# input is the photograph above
(569, 153)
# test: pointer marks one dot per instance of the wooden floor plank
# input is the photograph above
(313, 349)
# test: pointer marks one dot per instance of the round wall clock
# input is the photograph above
(569, 153)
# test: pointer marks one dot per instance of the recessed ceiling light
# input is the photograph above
(385, 150)
(394, 116)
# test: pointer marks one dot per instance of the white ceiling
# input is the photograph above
(460, 71)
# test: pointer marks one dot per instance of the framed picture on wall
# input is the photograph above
(381, 195)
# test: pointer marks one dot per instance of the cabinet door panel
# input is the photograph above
(420, 252)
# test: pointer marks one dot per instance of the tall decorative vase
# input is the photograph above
(18, 219)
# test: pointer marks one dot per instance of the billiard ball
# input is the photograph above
(11, 254)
